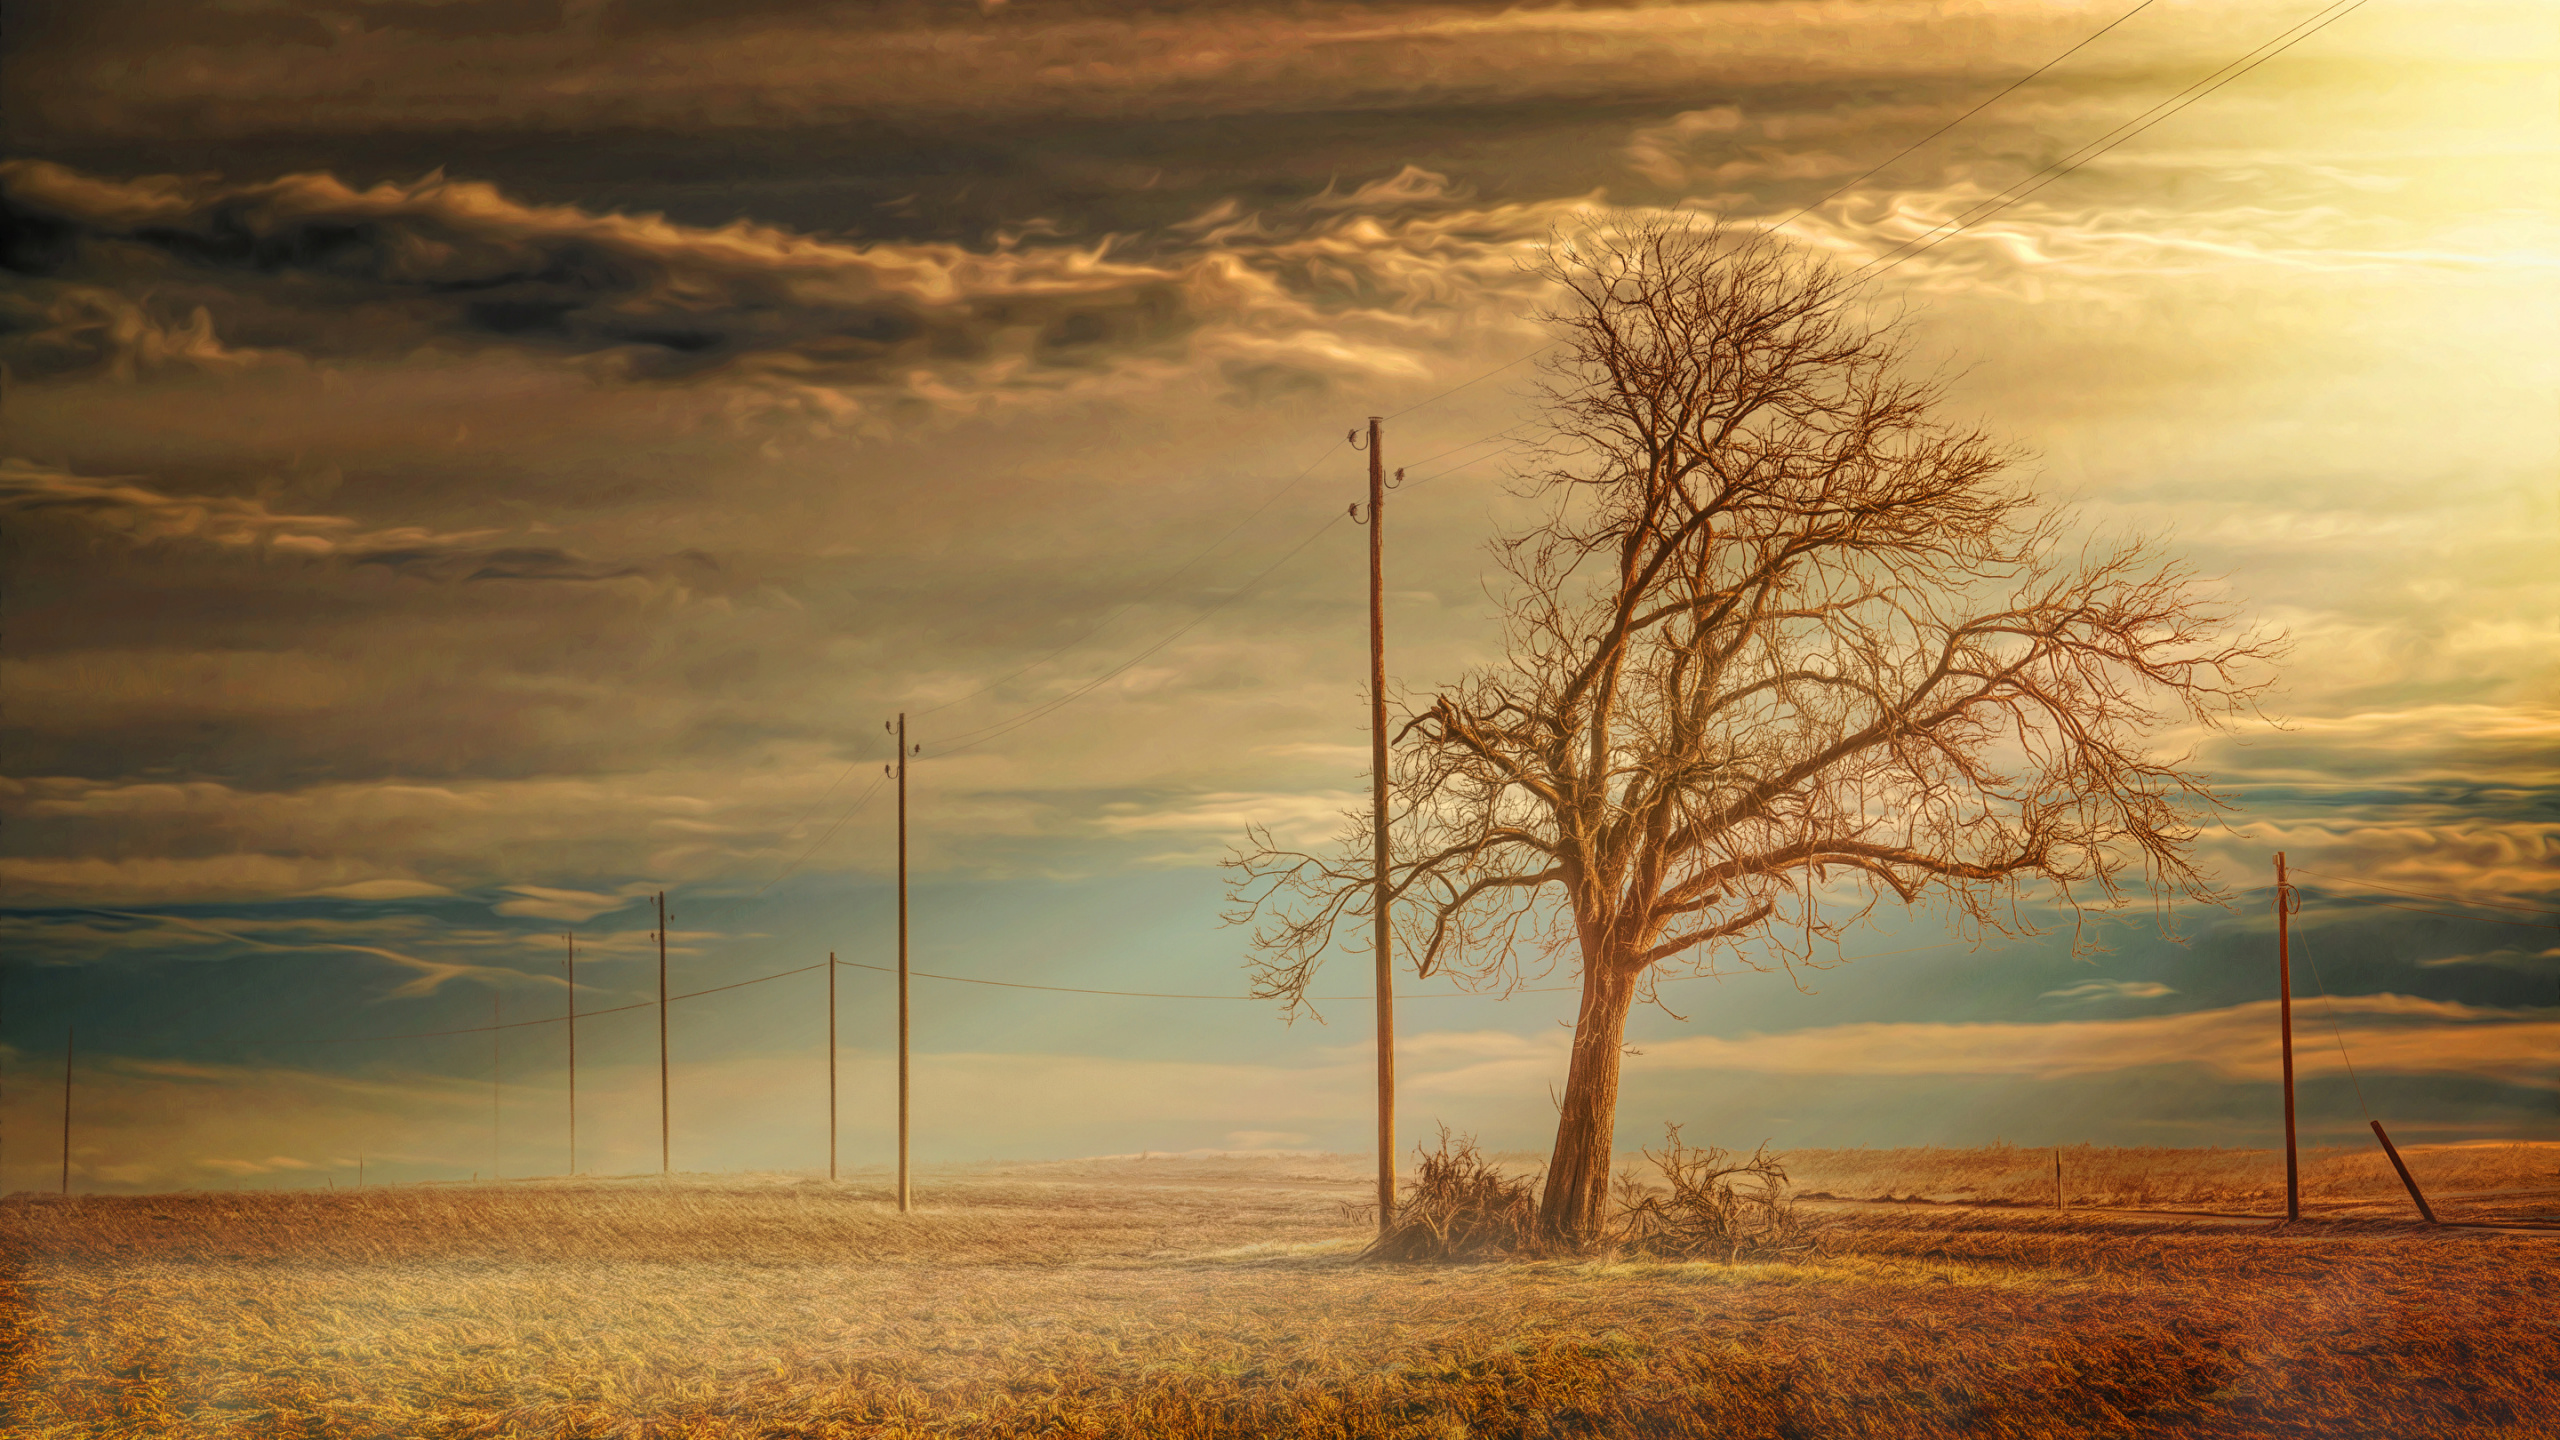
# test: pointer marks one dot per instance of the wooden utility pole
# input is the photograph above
(2284, 1013)
(831, 1065)
(906, 1198)
(1383, 939)
(662, 1033)
(573, 1050)
(497, 1021)
(67, 1039)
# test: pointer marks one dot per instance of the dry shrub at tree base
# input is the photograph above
(1458, 1206)
(1167, 1300)
(1702, 1210)
(1462, 1206)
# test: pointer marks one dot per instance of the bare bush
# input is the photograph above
(1718, 1202)
(1459, 1207)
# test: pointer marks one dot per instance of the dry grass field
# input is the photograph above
(1204, 1296)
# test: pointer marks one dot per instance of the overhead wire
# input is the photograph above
(2234, 70)
(970, 740)
(2042, 178)
(2450, 915)
(850, 812)
(1151, 592)
(2335, 1030)
(1896, 158)
(559, 1019)
(1400, 995)
(2013, 86)
(2425, 894)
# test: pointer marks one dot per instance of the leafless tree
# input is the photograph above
(1785, 645)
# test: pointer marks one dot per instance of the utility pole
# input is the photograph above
(2285, 906)
(831, 1065)
(1383, 940)
(497, 1022)
(66, 1108)
(573, 1051)
(662, 1033)
(906, 1195)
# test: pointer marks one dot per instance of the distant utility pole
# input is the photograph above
(573, 1050)
(1384, 936)
(663, 1150)
(906, 1194)
(497, 1022)
(66, 1108)
(831, 1065)
(2286, 904)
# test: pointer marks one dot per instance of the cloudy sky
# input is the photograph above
(469, 465)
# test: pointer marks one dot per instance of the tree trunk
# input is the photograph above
(1577, 1192)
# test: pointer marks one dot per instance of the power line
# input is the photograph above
(1463, 464)
(1825, 200)
(1150, 593)
(2449, 915)
(2049, 174)
(1478, 380)
(1434, 995)
(558, 1019)
(990, 732)
(1454, 449)
(1969, 114)
(2335, 1031)
(850, 812)
(971, 739)
(2320, 21)
(2428, 895)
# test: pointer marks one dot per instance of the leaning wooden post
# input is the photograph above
(2405, 1177)
(2057, 1177)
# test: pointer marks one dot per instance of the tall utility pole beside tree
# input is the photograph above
(1784, 647)
(906, 1197)
(1382, 940)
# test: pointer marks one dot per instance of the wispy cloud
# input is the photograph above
(2089, 990)
(575, 906)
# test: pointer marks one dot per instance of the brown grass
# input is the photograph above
(1202, 1298)
(2480, 1182)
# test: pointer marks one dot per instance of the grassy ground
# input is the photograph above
(1206, 1297)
